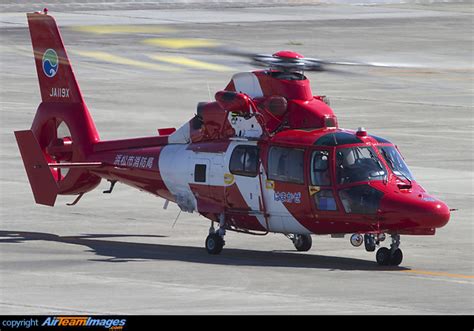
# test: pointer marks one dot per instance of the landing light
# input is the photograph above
(357, 240)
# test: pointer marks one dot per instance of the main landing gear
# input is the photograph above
(302, 242)
(214, 243)
(385, 256)
(215, 240)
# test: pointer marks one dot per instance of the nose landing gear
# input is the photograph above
(392, 256)
(369, 242)
(385, 256)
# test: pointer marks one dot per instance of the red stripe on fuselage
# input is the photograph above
(213, 199)
(238, 210)
(209, 198)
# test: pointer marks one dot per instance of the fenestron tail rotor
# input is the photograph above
(60, 149)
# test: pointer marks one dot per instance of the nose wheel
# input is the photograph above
(392, 256)
(385, 256)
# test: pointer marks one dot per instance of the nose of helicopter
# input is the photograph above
(437, 214)
(420, 211)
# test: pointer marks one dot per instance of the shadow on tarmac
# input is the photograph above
(120, 251)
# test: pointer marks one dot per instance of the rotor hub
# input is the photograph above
(288, 55)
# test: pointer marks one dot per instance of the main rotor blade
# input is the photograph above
(365, 64)
(306, 63)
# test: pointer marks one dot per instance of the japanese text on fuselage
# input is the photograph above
(134, 161)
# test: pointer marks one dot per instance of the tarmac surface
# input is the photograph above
(140, 70)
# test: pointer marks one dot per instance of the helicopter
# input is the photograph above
(266, 156)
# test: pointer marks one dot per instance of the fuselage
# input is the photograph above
(270, 157)
(321, 181)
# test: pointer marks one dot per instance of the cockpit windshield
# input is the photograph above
(395, 161)
(355, 164)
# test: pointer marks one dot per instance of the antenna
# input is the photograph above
(176, 219)
(209, 91)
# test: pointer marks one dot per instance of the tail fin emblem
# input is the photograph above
(50, 62)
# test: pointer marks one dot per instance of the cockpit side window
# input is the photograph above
(360, 199)
(395, 161)
(320, 176)
(320, 168)
(286, 164)
(355, 164)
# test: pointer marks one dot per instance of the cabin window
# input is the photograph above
(244, 161)
(286, 164)
(200, 173)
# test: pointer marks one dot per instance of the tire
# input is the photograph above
(396, 257)
(214, 244)
(383, 256)
(302, 242)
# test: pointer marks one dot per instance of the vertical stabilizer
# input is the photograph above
(56, 77)
(63, 130)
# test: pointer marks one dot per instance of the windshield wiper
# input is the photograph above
(388, 159)
(399, 173)
(395, 170)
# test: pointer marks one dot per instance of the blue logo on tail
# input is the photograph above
(50, 63)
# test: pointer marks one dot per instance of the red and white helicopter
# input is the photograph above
(266, 156)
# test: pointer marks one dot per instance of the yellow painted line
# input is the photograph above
(179, 43)
(107, 57)
(19, 50)
(187, 62)
(124, 29)
(437, 274)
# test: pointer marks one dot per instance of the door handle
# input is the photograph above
(313, 190)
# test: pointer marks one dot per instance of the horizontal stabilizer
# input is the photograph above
(43, 185)
(76, 165)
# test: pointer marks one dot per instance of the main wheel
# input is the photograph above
(214, 244)
(302, 242)
(383, 256)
